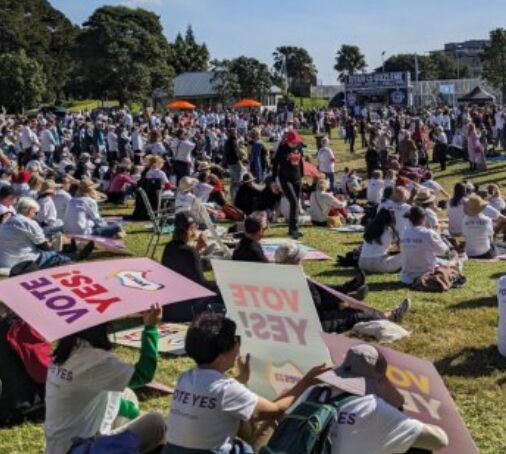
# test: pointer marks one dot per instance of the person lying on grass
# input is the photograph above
(208, 407)
(85, 389)
(335, 315)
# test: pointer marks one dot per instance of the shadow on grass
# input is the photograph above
(476, 303)
(381, 286)
(338, 272)
(472, 362)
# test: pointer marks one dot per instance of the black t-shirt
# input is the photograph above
(249, 251)
(184, 259)
(288, 163)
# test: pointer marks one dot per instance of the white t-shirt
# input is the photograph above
(79, 395)
(432, 219)
(81, 216)
(320, 204)
(491, 213)
(206, 410)
(375, 190)
(378, 250)
(183, 150)
(61, 201)
(399, 209)
(478, 231)
(498, 203)
(434, 186)
(157, 174)
(326, 160)
(420, 247)
(455, 217)
(47, 213)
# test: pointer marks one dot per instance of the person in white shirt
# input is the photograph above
(155, 165)
(112, 145)
(371, 419)
(420, 247)
(85, 393)
(435, 187)
(495, 198)
(138, 143)
(208, 406)
(47, 216)
(326, 162)
(478, 229)
(390, 178)
(426, 199)
(456, 209)
(62, 196)
(322, 204)
(29, 140)
(399, 206)
(182, 149)
(48, 142)
(375, 187)
(379, 236)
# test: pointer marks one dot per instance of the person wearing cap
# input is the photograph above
(372, 421)
(248, 194)
(288, 166)
(249, 248)
(89, 393)
(23, 240)
(82, 216)
(420, 247)
(478, 229)
(225, 403)
(47, 216)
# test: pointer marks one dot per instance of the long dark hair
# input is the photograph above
(96, 336)
(384, 219)
(459, 192)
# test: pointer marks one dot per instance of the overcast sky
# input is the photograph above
(256, 27)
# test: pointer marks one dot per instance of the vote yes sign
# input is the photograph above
(276, 317)
(64, 300)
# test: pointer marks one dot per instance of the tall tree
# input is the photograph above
(297, 65)
(494, 60)
(22, 81)
(349, 60)
(187, 55)
(45, 35)
(124, 54)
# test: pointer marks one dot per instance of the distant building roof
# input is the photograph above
(196, 84)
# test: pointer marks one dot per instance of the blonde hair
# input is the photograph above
(493, 190)
(26, 204)
(35, 182)
(323, 184)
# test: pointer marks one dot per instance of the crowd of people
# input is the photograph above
(250, 169)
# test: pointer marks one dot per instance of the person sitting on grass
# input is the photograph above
(209, 408)
(122, 185)
(495, 198)
(23, 240)
(323, 204)
(379, 236)
(375, 187)
(478, 229)
(48, 216)
(85, 393)
(335, 315)
(247, 195)
(456, 208)
(249, 248)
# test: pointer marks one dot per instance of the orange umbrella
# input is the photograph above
(247, 103)
(180, 105)
(310, 170)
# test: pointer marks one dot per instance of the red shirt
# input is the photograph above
(119, 181)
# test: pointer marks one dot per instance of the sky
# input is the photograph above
(255, 28)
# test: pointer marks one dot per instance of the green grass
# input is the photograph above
(89, 104)
(457, 330)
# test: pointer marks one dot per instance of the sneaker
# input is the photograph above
(401, 310)
(296, 234)
(86, 251)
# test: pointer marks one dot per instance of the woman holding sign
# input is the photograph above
(84, 391)
(208, 406)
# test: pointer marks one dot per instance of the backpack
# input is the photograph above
(306, 429)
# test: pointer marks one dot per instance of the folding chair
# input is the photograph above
(159, 220)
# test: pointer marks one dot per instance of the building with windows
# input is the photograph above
(467, 53)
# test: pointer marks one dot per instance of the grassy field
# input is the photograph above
(456, 331)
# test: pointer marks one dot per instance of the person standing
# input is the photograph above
(48, 143)
(232, 160)
(326, 163)
(288, 166)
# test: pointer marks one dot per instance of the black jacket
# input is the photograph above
(184, 259)
(231, 152)
(283, 168)
(249, 251)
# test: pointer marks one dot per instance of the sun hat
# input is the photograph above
(363, 372)
(474, 205)
(424, 197)
(203, 166)
(88, 187)
(48, 187)
(293, 138)
(186, 184)
(400, 194)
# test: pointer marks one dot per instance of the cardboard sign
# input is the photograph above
(269, 246)
(425, 395)
(61, 301)
(171, 340)
(277, 320)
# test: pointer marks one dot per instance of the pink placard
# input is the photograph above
(64, 300)
(110, 244)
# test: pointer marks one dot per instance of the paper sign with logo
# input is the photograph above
(277, 320)
(171, 341)
(61, 301)
(425, 395)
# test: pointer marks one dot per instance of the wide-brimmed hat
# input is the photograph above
(87, 186)
(203, 166)
(400, 194)
(48, 187)
(363, 372)
(186, 184)
(474, 205)
(424, 197)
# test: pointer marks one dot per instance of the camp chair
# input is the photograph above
(158, 218)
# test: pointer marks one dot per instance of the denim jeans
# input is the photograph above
(236, 172)
(332, 180)
(50, 259)
(107, 230)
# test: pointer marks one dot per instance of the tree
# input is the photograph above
(123, 55)
(45, 35)
(187, 55)
(22, 81)
(298, 66)
(494, 60)
(349, 60)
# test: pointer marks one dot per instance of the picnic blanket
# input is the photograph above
(270, 245)
(171, 341)
(349, 229)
